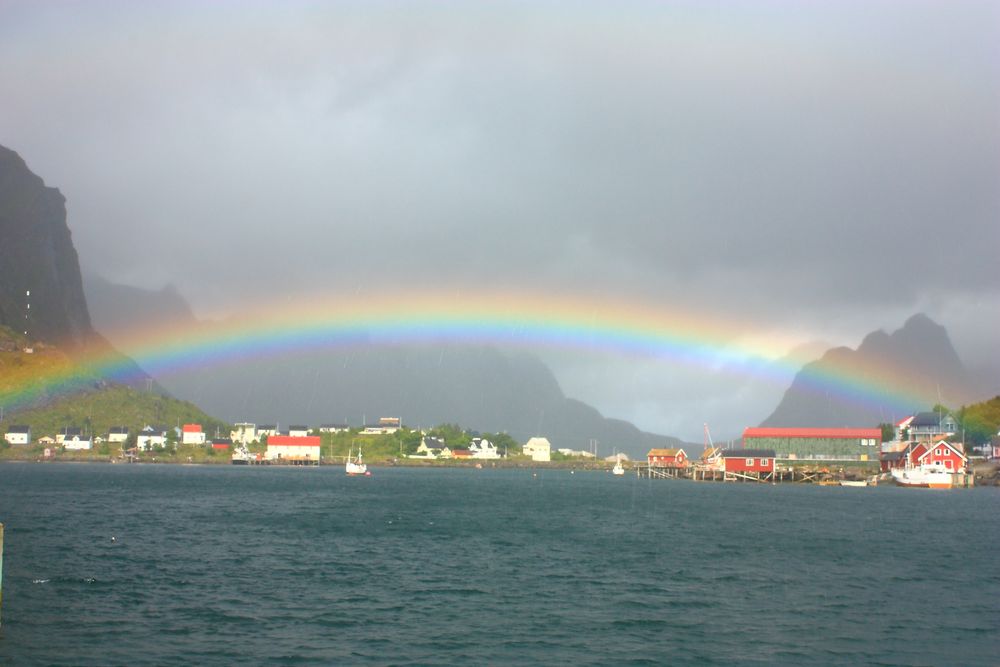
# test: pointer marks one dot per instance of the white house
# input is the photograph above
(577, 453)
(151, 437)
(385, 426)
(539, 449)
(298, 431)
(266, 431)
(68, 432)
(118, 434)
(77, 442)
(18, 435)
(481, 448)
(431, 448)
(334, 428)
(191, 434)
(243, 433)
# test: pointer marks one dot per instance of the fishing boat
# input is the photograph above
(923, 477)
(618, 469)
(356, 466)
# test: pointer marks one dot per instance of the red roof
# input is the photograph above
(192, 428)
(294, 440)
(813, 433)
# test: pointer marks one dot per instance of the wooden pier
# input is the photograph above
(780, 474)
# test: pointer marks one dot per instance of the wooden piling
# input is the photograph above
(1, 574)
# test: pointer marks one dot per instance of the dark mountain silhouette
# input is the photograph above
(476, 386)
(37, 256)
(917, 360)
(41, 291)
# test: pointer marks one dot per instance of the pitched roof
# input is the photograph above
(927, 419)
(947, 444)
(664, 452)
(192, 428)
(19, 429)
(812, 433)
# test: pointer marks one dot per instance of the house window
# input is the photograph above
(763, 463)
(749, 462)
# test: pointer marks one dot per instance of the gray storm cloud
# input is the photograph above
(828, 168)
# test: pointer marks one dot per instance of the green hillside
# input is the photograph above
(47, 390)
(98, 410)
(980, 421)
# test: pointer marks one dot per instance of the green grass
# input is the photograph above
(97, 410)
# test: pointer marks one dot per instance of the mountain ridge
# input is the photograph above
(920, 351)
(481, 387)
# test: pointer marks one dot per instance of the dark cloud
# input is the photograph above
(783, 163)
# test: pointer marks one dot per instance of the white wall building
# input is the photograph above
(18, 435)
(77, 443)
(481, 448)
(150, 438)
(191, 434)
(539, 449)
(299, 449)
(243, 433)
(118, 434)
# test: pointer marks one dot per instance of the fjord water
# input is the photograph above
(214, 565)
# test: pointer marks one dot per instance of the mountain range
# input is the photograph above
(909, 370)
(477, 386)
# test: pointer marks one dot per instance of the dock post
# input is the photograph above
(1, 574)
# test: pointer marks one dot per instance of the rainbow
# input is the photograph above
(510, 319)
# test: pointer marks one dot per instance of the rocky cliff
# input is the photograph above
(917, 361)
(37, 257)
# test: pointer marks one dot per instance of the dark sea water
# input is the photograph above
(216, 565)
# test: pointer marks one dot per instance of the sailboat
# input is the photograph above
(618, 469)
(356, 466)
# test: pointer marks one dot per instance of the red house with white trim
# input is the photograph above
(942, 455)
(749, 460)
(667, 458)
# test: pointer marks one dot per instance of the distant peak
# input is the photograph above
(920, 321)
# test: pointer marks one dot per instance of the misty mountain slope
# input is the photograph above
(476, 386)
(917, 360)
(117, 307)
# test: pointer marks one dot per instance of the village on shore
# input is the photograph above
(921, 443)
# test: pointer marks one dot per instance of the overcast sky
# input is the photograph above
(818, 169)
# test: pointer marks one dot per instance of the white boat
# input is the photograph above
(356, 466)
(853, 482)
(923, 477)
(618, 469)
(242, 456)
